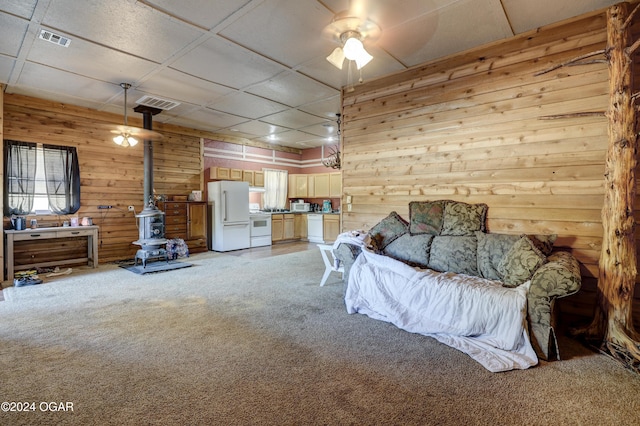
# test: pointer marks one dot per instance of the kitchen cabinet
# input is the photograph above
(186, 220)
(235, 174)
(321, 185)
(298, 185)
(282, 227)
(300, 226)
(335, 185)
(219, 173)
(311, 186)
(288, 231)
(330, 227)
(258, 178)
(247, 176)
(277, 227)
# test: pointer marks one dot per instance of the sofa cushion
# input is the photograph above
(491, 250)
(463, 219)
(425, 217)
(454, 254)
(411, 249)
(387, 230)
(520, 262)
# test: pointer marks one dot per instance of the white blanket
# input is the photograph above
(474, 315)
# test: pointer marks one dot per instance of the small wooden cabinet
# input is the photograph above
(330, 227)
(186, 220)
(219, 173)
(288, 232)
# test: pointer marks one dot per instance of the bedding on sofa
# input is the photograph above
(474, 315)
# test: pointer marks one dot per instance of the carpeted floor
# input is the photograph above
(234, 341)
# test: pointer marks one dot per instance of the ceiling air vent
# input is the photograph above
(54, 38)
(155, 102)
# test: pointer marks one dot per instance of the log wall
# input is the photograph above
(482, 127)
(110, 175)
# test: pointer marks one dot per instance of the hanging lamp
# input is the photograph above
(128, 135)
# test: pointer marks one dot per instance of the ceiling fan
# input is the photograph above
(350, 30)
(129, 135)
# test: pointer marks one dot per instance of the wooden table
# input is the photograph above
(91, 232)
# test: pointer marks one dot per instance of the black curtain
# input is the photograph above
(62, 174)
(20, 177)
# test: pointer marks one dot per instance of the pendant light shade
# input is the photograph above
(128, 135)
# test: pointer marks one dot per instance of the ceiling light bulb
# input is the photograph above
(352, 48)
(118, 139)
(133, 141)
(354, 51)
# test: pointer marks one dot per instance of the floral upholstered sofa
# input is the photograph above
(450, 238)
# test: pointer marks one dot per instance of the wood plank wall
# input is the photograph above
(472, 128)
(110, 175)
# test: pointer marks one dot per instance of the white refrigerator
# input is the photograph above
(229, 215)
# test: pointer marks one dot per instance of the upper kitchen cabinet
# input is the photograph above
(298, 185)
(335, 185)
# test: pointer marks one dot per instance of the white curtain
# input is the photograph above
(275, 188)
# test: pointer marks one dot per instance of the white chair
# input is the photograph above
(329, 262)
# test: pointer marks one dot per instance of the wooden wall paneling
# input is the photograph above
(475, 127)
(109, 174)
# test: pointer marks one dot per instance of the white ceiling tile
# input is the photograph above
(216, 119)
(90, 60)
(199, 11)
(247, 105)
(22, 8)
(220, 61)
(293, 89)
(292, 119)
(255, 128)
(124, 25)
(13, 32)
(327, 108)
(6, 66)
(261, 30)
(52, 80)
(526, 15)
(169, 83)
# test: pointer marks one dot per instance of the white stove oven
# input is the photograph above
(260, 228)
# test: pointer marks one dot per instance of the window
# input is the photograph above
(40, 178)
(275, 189)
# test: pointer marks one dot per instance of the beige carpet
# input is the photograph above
(231, 341)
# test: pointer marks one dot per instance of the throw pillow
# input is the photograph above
(387, 230)
(463, 219)
(520, 262)
(425, 217)
(491, 250)
(411, 249)
(454, 254)
(544, 243)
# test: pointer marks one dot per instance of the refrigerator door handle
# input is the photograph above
(224, 205)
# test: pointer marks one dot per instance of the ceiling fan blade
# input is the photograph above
(137, 132)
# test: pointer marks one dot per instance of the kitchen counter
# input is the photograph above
(289, 212)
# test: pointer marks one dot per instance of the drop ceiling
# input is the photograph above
(248, 69)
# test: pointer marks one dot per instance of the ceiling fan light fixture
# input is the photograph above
(336, 58)
(126, 135)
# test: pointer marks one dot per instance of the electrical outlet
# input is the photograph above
(132, 209)
(348, 207)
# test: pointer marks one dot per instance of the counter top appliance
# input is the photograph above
(300, 207)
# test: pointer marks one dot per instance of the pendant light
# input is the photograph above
(128, 135)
